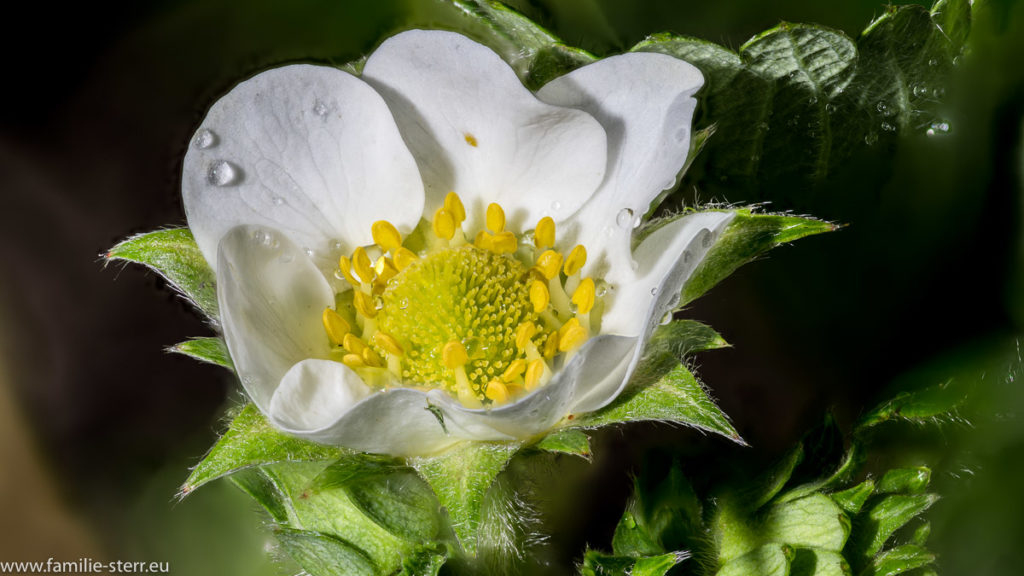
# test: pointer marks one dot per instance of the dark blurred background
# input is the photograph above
(98, 425)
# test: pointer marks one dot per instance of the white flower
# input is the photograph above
(292, 168)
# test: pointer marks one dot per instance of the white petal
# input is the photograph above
(314, 394)
(645, 103)
(271, 298)
(665, 260)
(309, 150)
(475, 129)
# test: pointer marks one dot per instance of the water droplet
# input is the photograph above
(286, 258)
(812, 100)
(682, 134)
(939, 92)
(320, 109)
(634, 265)
(278, 201)
(706, 240)
(937, 128)
(222, 173)
(403, 303)
(830, 108)
(309, 252)
(339, 275)
(654, 291)
(601, 289)
(556, 206)
(794, 74)
(625, 218)
(204, 139)
(763, 126)
(920, 90)
(609, 231)
(933, 62)
(687, 257)
(667, 318)
(871, 138)
(888, 127)
(378, 303)
(265, 239)
(956, 61)
(674, 301)
(882, 106)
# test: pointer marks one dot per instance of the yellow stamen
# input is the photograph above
(571, 335)
(386, 235)
(454, 355)
(336, 326)
(364, 304)
(551, 345)
(534, 373)
(345, 265)
(353, 361)
(353, 344)
(524, 333)
(484, 240)
(385, 269)
(372, 358)
(497, 392)
(575, 261)
(583, 297)
(388, 343)
(539, 296)
(515, 370)
(403, 257)
(548, 263)
(495, 218)
(504, 243)
(544, 235)
(361, 264)
(444, 224)
(453, 204)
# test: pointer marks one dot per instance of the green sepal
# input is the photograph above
(262, 488)
(749, 235)
(252, 441)
(325, 554)
(935, 404)
(461, 477)
(898, 560)
(813, 562)
(852, 499)
(882, 517)
(601, 564)
(660, 518)
(174, 255)
(208, 349)
(905, 480)
(569, 441)
(768, 560)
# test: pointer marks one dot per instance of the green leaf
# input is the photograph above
(899, 560)
(762, 489)
(208, 349)
(325, 554)
(252, 441)
(660, 518)
(812, 562)
(460, 477)
(173, 254)
(768, 560)
(600, 564)
(814, 521)
(261, 487)
(797, 101)
(569, 441)
(852, 499)
(935, 404)
(876, 523)
(388, 492)
(678, 398)
(905, 480)
(748, 236)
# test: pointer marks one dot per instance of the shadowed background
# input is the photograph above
(98, 425)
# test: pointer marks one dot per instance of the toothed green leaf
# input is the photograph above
(211, 350)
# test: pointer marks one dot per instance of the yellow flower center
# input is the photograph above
(486, 321)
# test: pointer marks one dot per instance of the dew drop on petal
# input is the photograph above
(222, 173)
(634, 265)
(682, 134)
(556, 206)
(309, 252)
(278, 201)
(706, 240)
(654, 291)
(624, 218)
(609, 231)
(286, 258)
(204, 139)
(338, 275)
(320, 109)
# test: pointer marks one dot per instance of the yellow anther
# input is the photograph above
(336, 326)
(353, 344)
(583, 297)
(571, 335)
(402, 257)
(388, 343)
(504, 243)
(548, 263)
(515, 370)
(385, 269)
(539, 296)
(495, 218)
(534, 373)
(575, 260)
(372, 358)
(497, 392)
(345, 265)
(544, 235)
(361, 264)
(453, 204)
(524, 333)
(386, 235)
(454, 355)
(353, 361)
(444, 224)
(484, 240)
(551, 345)
(364, 304)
